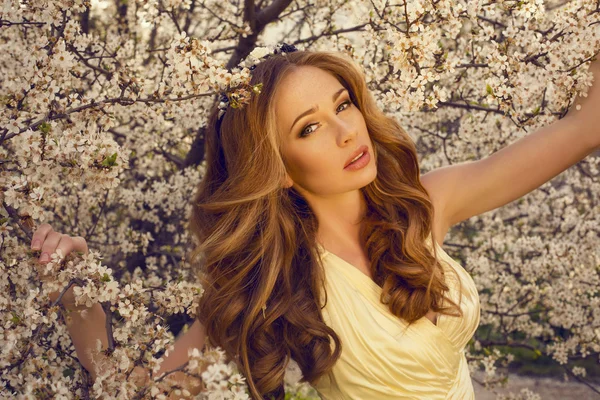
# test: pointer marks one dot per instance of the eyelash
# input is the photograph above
(302, 135)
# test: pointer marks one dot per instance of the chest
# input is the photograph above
(359, 260)
(356, 258)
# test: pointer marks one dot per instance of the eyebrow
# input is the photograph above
(315, 108)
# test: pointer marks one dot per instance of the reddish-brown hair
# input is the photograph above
(257, 239)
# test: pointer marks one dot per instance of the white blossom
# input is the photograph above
(99, 113)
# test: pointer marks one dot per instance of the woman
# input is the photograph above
(308, 254)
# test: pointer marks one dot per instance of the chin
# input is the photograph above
(370, 177)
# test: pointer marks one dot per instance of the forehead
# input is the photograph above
(305, 85)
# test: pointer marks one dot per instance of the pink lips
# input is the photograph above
(361, 149)
(360, 163)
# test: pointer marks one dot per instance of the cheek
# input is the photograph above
(360, 120)
(311, 164)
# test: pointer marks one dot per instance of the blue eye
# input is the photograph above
(302, 135)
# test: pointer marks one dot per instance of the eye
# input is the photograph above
(302, 132)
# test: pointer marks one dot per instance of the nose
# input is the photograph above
(346, 128)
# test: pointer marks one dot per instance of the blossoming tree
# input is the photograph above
(101, 134)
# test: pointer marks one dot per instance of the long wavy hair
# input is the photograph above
(257, 239)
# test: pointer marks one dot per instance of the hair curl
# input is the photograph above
(258, 239)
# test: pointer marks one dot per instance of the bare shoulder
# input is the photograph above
(434, 184)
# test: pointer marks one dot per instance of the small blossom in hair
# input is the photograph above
(240, 95)
(238, 98)
(260, 52)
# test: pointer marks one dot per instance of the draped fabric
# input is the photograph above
(383, 357)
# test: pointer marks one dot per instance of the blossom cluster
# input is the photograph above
(104, 108)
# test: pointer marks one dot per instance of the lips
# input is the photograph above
(361, 149)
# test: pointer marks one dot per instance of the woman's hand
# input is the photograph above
(47, 241)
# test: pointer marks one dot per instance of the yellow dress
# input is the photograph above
(384, 358)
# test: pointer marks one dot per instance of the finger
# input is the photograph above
(80, 244)
(66, 245)
(49, 246)
(69, 244)
(39, 236)
(52, 242)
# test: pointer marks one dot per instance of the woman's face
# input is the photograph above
(317, 145)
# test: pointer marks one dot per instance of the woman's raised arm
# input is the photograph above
(195, 337)
(87, 325)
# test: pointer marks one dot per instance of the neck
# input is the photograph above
(340, 219)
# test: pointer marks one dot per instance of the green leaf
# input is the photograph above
(257, 88)
(110, 161)
(105, 278)
(489, 89)
(45, 127)
(68, 372)
(536, 111)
